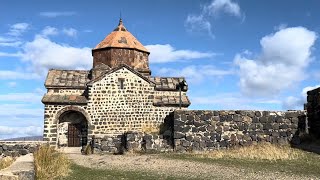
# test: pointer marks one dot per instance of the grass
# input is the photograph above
(50, 164)
(84, 173)
(261, 157)
(6, 162)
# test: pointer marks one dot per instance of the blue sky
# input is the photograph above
(235, 54)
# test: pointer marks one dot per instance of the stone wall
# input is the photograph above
(135, 142)
(208, 130)
(16, 148)
(313, 109)
(114, 111)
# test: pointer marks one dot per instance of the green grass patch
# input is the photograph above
(85, 173)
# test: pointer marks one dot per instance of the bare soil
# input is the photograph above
(157, 164)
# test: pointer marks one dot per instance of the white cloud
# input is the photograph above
(4, 54)
(9, 41)
(280, 26)
(43, 54)
(201, 22)
(195, 74)
(292, 102)
(285, 54)
(21, 97)
(223, 6)
(166, 53)
(53, 14)
(232, 101)
(7, 75)
(12, 84)
(6, 131)
(49, 31)
(18, 28)
(70, 32)
(198, 23)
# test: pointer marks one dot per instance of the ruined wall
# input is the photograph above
(116, 56)
(208, 130)
(17, 148)
(115, 111)
(313, 109)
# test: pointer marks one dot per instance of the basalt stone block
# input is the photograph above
(237, 118)
(283, 126)
(211, 128)
(209, 143)
(189, 122)
(223, 144)
(179, 123)
(178, 128)
(186, 129)
(271, 119)
(185, 143)
(267, 126)
(198, 123)
(275, 126)
(202, 129)
(190, 117)
(225, 137)
(275, 134)
(251, 114)
(263, 119)
(196, 139)
(283, 134)
(257, 113)
(194, 129)
(291, 114)
(279, 119)
(255, 120)
(266, 113)
(183, 117)
(189, 138)
(202, 144)
(219, 129)
(178, 135)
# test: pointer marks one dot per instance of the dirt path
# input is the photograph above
(169, 167)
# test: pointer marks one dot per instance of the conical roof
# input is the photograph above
(121, 38)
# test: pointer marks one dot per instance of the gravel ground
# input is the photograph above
(177, 168)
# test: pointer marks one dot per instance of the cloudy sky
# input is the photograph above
(235, 54)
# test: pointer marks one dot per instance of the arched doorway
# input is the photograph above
(72, 129)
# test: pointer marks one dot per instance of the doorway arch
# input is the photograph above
(72, 128)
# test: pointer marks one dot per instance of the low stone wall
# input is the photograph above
(134, 142)
(17, 148)
(208, 130)
(21, 169)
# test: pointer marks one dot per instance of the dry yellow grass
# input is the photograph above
(261, 151)
(50, 164)
(6, 162)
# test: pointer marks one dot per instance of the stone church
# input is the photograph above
(116, 96)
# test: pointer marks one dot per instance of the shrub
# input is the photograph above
(50, 164)
(87, 150)
(6, 162)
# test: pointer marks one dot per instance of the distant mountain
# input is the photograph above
(28, 138)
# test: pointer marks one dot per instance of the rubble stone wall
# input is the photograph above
(209, 130)
(15, 149)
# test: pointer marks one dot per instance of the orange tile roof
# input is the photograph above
(121, 38)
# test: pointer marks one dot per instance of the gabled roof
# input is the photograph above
(171, 101)
(67, 79)
(116, 69)
(167, 83)
(120, 37)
